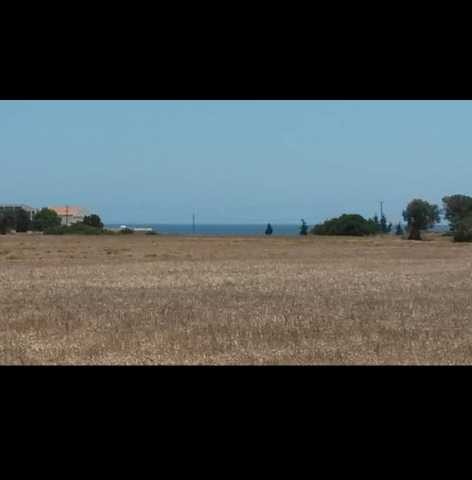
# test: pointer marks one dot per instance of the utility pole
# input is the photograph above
(67, 215)
(381, 209)
(193, 222)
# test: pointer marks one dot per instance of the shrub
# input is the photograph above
(347, 224)
(269, 230)
(93, 221)
(463, 229)
(74, 229)
(46, 219)
(126, 231)
(55, 230)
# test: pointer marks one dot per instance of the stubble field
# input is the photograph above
(141, 299)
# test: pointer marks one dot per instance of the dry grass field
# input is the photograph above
(139, 299)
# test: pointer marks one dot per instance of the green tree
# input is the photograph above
(23, 221)
(347, 224)
(269, 229)
(399, 229)
(383, 224)
(303, 228)
(93, 220)
(420, 215)
(456, 209)
(45, 219)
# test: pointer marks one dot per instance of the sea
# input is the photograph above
(215, 229)
(210, 229)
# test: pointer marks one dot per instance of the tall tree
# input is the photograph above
(399, 229)
(303, 228)
(420, 215)
(375, 219)
(383, 224)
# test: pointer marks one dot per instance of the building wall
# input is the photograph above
(71, 219)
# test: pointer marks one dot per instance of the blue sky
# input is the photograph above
(234, 161)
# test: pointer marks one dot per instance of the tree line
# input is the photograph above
(46, 221)
(419, 215)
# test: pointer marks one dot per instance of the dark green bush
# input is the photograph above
(55, 231)
(94, 221)
(347, 224)
(14, 218)
(462, 236)
(23, 221)
(463, 229)
(126, 231)
(74, 229)
(46, 219)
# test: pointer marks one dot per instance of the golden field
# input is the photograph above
(139, 299)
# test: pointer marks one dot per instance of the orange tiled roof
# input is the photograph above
(72, 211)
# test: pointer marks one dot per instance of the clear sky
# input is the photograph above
(234, 161)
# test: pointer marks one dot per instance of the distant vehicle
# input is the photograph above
(136, 229)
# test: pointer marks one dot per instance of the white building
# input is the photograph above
(70, 214)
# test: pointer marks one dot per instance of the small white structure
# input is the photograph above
(136, 229)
